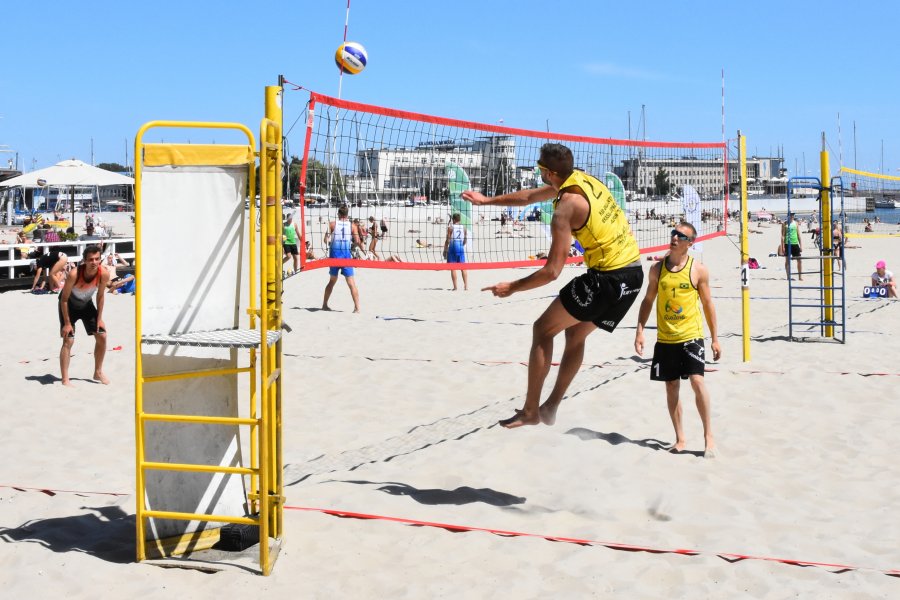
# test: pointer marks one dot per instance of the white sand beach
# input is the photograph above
(393, 412)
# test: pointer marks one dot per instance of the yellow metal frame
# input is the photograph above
(264, 422)
(745, 247)
(825, 211)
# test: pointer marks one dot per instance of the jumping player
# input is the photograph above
(583, 207)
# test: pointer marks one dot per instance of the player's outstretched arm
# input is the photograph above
(561, 240)
(519, 198)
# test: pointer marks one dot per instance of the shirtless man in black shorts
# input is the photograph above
(76, 304)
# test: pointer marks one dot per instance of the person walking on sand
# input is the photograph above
(837, 242)
(679, 285)
(376, 234)
(342, 235)
(289, 243)
(76, 304)
(790, 233)
(455, 249)
(600, 298)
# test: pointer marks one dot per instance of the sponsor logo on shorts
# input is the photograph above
(698, 355)
(625, 291)
(608, 323)
(588, 296)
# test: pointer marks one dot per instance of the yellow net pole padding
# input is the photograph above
(825, 211)
(745, 248)
(274, 116)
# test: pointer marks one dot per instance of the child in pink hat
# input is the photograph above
(884, 278)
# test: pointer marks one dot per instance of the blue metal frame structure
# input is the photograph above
(802, 298)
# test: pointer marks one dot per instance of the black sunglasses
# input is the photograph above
(681, 236)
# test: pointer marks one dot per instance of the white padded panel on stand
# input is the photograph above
(192, 228)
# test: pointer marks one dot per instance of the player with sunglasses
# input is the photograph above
(680, 285)
(584, 208)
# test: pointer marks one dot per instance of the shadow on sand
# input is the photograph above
(614, 439)
(107, 533)
(459, 496)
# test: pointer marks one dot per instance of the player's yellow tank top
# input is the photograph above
(677, 306)
(606, 236)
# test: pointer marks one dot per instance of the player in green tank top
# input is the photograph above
(289, 242)
(793, 245)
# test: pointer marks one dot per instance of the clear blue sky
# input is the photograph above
(73, 71)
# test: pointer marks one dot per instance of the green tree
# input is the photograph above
(114, 167)
(661, 179)
(295, 167)
(318, 180)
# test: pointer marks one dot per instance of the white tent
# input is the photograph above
(68, 173)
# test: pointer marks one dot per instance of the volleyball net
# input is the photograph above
(882, 188)
(401, 174)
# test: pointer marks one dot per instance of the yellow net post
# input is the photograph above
(825, 211)
(745, 248)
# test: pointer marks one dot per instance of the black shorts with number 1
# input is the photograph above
(678, 361)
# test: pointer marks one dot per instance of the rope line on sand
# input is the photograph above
(25, 362)
(643, 364)
(52, 492)
(731, 557)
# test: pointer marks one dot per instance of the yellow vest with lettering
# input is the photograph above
(677, 306)
(606, 236)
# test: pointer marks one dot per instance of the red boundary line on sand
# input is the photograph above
(316, 97)
(729, 556)
(52, 492)
(321, 263)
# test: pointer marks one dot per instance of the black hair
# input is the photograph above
(557, 158)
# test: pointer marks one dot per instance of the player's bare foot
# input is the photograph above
(67, 383)
(548, 413)
(711, 451)
(101, 378)
(519, 419)
(325, 307)
(677, 447)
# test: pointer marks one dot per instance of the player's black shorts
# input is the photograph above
(87, 314)
(794, 249)
(678, 360)
(603, 297)
(291, 249)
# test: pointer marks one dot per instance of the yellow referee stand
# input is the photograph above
(208, 343)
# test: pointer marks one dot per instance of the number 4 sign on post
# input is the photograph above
(745, 275)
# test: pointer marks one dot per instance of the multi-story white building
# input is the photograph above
(706, 175)
(407, 173)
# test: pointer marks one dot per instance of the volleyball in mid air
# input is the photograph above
(351, 58)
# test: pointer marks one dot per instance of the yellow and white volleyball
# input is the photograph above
(351, 58)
